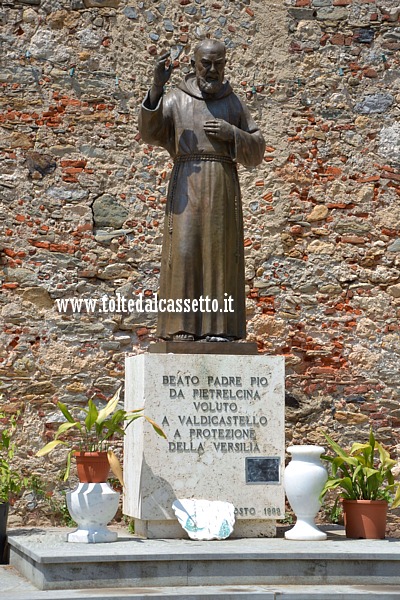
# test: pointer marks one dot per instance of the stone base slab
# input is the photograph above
(51, 563)
(156, 530)
(184, 347)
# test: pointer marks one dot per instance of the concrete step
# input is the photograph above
(172, 568)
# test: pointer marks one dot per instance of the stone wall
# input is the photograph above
(84, 197)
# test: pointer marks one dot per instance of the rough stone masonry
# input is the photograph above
(83, 203)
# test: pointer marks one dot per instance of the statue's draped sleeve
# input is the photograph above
(249, 142)
(156, 125)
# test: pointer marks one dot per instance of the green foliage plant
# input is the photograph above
(288, 520)
(11, 481)
(96, 430)
(59, 510)
(363, 473)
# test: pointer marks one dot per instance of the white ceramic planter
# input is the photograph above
(304, 478)
(92, 506)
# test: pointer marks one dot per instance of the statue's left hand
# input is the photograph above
(218, 129)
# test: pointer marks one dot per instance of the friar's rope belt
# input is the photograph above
(206, 157)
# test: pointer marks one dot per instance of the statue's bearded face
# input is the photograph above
(210, 65)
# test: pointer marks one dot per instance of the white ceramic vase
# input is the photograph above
(92, 506)
(304, 478)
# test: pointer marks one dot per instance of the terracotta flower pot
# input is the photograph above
(365, 519)
(92, 467)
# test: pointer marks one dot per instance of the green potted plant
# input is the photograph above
(367, 486)
(95, 430)
(11, 481)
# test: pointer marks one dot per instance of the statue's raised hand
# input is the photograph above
(162, 72)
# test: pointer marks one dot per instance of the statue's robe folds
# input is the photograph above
(203, 253)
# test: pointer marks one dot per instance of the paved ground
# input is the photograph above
(15, 587)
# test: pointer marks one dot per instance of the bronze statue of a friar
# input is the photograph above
(207, 130)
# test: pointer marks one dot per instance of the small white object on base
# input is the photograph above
(304, 478)
(92, 506)
(205, 519)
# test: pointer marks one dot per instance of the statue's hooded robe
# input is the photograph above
(203, 252)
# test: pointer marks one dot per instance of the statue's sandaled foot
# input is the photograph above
(183, 337)
(217, 338)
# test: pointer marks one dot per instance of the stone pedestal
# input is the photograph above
(224, 419)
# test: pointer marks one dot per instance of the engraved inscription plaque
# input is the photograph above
(263, 469)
